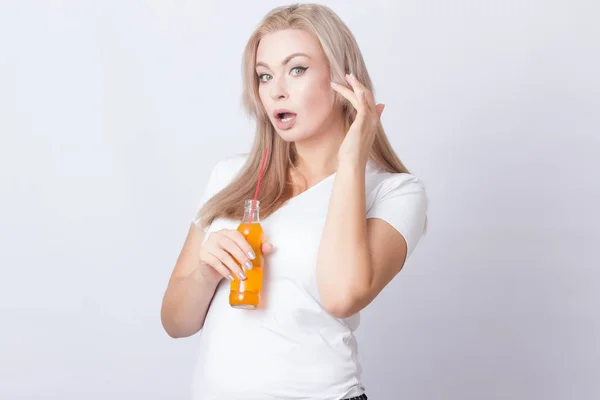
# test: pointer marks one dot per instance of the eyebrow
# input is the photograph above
(285, 61)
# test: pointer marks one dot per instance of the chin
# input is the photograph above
(293, 135)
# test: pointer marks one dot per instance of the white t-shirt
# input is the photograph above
(292, 348)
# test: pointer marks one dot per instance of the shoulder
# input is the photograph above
(225, 170)
(221, 174)
(381, 183)
(399, 199)
(229, 167)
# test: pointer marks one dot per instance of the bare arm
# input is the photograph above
(197, 273)
(357, 257)
(189, 291)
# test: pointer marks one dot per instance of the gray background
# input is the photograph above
(112, 112)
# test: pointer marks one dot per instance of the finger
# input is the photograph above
(379, 108)
(357, 85)
(228, 261)
(364, 101)
(234, 249)
(347, 93)
(360, 88)
(267, 248)
(217, 265)
(362, 109)
(241, 241)
(358, 91)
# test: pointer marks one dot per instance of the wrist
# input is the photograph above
(352, 163)
(203, 276)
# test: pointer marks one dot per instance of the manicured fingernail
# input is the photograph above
(242, 275)
(230, 277)
(333, 84)
(251, 255)
(352, 76)
(249, 265)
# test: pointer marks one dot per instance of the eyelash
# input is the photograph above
(303, 69)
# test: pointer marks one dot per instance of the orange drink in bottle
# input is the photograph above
(245, 293)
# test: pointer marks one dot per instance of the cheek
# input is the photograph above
(263, 96)
(318, 98)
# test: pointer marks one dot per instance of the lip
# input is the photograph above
(281, 110)
(284, 125)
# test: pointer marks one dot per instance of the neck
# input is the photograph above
(317, 155)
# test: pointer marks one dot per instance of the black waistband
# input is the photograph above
(361, 397)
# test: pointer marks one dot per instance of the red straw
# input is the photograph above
(260, 175)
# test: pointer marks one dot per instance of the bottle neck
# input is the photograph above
(251, 214)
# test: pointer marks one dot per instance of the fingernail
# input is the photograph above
(249, 265)
(333, 84)
(352, 76)
(251, 255)
(230, 277)
(242, 275)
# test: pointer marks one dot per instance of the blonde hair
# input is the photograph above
(343, 55)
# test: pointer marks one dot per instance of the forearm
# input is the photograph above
(186, 303)
(343, 262)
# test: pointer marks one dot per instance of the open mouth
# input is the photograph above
(285, 120)
(285, 117)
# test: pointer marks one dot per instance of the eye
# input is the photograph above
(263, 78)
(260, 77)
(302, 69)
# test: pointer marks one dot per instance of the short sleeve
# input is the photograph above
(401, 200)
(221, 175)
(210, 189)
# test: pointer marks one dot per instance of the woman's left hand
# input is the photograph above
(359, 138)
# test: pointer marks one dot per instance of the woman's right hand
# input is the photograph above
(221, 249)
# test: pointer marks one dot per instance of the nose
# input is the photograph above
(278, 89)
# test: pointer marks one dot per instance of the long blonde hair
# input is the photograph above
(343, 55)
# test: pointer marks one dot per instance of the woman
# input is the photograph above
(340, 213)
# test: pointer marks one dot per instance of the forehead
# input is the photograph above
(276, 46)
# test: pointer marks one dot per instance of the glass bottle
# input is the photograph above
(245, 294)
